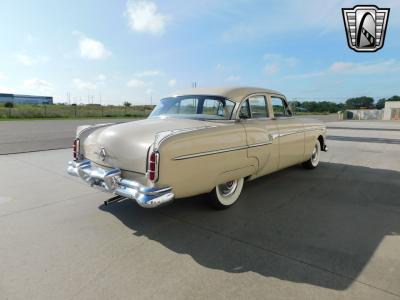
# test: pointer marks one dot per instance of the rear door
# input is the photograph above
(261, 132)
(291, 133)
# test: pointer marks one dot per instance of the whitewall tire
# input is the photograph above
(225, 195)
(313, 162)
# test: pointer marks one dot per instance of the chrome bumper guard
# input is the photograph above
(111, 181)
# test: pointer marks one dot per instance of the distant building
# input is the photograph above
(392, 110)
(25, 99)
(363, 114)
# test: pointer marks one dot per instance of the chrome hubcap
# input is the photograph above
(314, 156)
(228, 188)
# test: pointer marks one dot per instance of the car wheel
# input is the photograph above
(313, 162)
(225, 195)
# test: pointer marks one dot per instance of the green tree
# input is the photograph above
(381, 103)
(127, 104)
(360, 102)
(394, 98)
(9, 104)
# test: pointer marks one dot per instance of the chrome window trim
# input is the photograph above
(246, 98)
(283, 98)
(210, 95)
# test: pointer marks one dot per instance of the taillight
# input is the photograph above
(75, 149)
(152, 168)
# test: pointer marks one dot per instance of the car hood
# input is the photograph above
(125, 145)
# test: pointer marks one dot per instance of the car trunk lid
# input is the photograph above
(126, 145)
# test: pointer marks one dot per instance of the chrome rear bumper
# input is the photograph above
(109, 180)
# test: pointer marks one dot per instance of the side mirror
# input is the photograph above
(243, 116)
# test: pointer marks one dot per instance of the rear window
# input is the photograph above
(198, 107)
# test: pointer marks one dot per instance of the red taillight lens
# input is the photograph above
(75, 149)
(152, 171)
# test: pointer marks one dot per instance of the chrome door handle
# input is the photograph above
(273, 136)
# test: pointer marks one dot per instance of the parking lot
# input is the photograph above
(329, 233)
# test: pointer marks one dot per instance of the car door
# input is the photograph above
(261, 132)
(291, 132)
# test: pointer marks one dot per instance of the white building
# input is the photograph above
(392, 110)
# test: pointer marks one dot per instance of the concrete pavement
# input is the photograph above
(330, 233)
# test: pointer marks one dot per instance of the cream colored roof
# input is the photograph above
(234, 93)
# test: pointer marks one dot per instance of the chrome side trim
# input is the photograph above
(271, 137)
(164, 135)
(206, 153)
(210, 152)
(259, 144)
(315, 129)
(289, 133)
(300, 131)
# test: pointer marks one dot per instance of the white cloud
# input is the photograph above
(233, 78)
(386, 66)
(275, 62)
(4, 89)
(44, 58)
(25, 59)
(227, 69)
(149, 91)
(30, 38)
(29, 60)
(144, 17)
(2, 76)
(149, 73)
(83, 85)
(271, 69)
(172, 82)
(136, 83)
(350, 68)
(101, 77)
(306, 75)
(219, 67)
(92, 49)
(36, 84)
(277, 58)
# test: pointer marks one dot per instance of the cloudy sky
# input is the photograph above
(137, 49)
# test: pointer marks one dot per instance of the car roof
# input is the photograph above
(234, 93)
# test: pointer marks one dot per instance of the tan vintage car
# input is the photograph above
(199, 141)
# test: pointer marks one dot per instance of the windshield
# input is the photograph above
(197, 107)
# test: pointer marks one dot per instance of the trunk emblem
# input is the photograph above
(102, 154)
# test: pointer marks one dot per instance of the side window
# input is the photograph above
(280, 107)
(244, 112)
(211, 107)
(220, 108)
(187, 106)
(258, 107)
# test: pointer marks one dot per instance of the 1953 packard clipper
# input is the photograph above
(199, 141)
